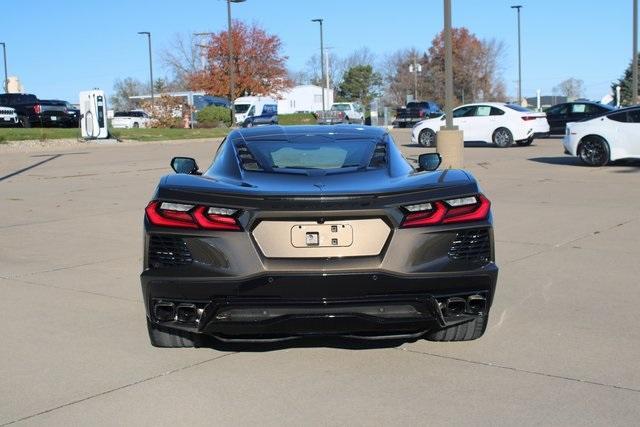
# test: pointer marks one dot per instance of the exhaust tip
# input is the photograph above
(477, 304)
(164, 311)
(456, 306)
(187, 313)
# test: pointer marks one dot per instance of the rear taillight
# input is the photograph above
(421, 114)
(464, 209)
(179, 215)
(527, 118)
(37, 108)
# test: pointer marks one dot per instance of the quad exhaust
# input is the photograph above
(187, 313)
(456, 306)
(164, 311)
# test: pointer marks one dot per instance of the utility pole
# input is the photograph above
(449, 140)
(148, 34)
(320, 21)
(415, 68)
(6, 78)
(634, 73)
(518, 7)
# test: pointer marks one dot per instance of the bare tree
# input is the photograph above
(572, 88)
(398, 80)
(123, 89)
(183, 57)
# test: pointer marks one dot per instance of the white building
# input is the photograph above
(304, 98)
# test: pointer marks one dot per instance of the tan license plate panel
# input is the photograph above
(322, 235)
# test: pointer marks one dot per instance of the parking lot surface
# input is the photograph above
(562, 346)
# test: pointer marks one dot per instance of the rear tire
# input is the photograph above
(503, 137)
(464, 332)
(24, 122)
(427, 138)
(594, 151)
(161, 337)
(347, 121)
(136, 125)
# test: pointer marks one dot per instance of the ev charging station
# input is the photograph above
(93, 113)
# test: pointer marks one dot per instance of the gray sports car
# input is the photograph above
(316, 230)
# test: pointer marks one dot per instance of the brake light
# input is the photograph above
(179, 215)
(465, 209)
(421, 114)
(37, 108)
(527, 118)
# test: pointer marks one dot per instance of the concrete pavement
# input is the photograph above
(562, 346)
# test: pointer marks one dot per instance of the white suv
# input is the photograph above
(130, 119)
(8, 117)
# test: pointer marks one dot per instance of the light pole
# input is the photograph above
(232, 84)
(449, 139)
(148, 34)
(320, 20)
(415, 68)
(634, 72)
(518, 7)
(6, 79)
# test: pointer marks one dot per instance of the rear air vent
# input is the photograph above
(471, 245)
(168, 251)
(246, 159)
(379, 157)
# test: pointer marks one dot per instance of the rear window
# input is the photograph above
(340, 107)
(517, 108)
(318, 154)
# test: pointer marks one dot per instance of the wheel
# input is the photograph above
(347, 121)
(160, 337)
(427, 138)
(502, 137)
(136, 125)
(24, 122)
(525, 142)
(594, 151)
(464, 332)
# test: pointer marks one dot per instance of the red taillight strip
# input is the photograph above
(196, 218)
(422, 219)
(213, 221)
(168, 218)
(444, 214)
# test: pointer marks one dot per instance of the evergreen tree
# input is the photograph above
(626, 84)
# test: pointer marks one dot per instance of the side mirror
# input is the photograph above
(184, 165)
(429, 161)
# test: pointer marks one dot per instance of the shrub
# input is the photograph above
(166, 112)
(213, 117)
(297, 119)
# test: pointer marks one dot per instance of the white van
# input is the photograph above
(255, 110)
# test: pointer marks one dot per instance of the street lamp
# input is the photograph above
(518, 7)
(320, 21)
(415, 68)
(6, 79)
(148, 34)
(232, 84)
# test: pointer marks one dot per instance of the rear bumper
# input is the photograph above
(282, 306)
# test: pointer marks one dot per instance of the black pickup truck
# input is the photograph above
(32, 111)
(416, 111)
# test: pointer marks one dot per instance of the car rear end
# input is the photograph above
(53, 113)
(272, 268)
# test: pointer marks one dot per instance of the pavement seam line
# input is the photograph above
(103, 393)
(80, 291)
(525, 371)
(69, 267)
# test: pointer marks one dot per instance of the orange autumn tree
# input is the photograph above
(257, 60)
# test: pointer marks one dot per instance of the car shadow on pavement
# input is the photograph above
(310, 342)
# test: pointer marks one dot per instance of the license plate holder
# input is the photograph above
(322, 235)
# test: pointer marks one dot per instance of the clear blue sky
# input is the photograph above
(59, 50)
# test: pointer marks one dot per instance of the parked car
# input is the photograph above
(415, 112)
(606, 138)
(341, 112)
(255, 110)
(316, 230)
(559, 115)
(56, 113)
(497, 122)
(130, 119)
(27, 107)
(8, 117)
